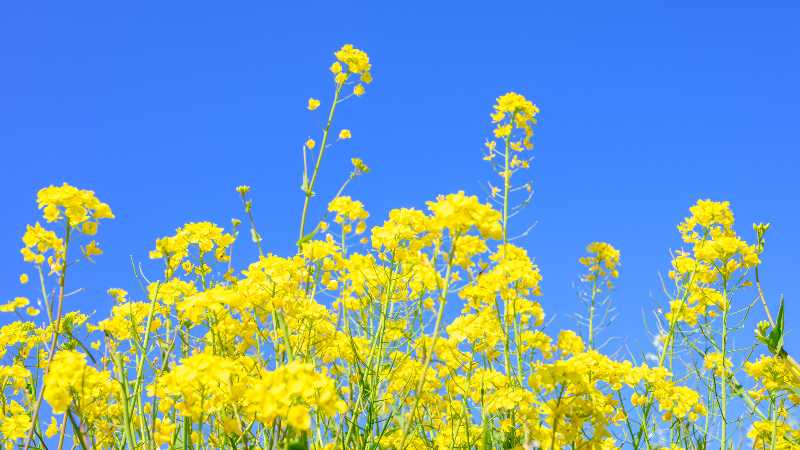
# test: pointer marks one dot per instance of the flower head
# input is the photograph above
(356, 62)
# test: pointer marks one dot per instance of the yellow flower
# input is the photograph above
(77, 205)
(313, 104)
(713, 361)
(119, 295)
(358, 166)
(310, 144)
(569, 342)
(359, 90)
(23, 278)
(52, 428)
(91, 249)
(70, 377)
(89, 228)
(357, 61)
(602, 262)
(345, 134)
(513, 111)
(38, 241)
(164, 431)
(298, 417)
(13, 305)
(347, 210)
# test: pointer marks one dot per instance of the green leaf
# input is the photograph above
(306, 238)
(775, 338)
(300, 443)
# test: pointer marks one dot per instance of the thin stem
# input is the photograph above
(309, 189)
(591, 313)
(724, 345)
(429, 354)
(53, 341)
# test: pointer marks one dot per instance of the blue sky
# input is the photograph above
(163, 108)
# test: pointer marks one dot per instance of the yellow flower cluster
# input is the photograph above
(356, 62)
(777, 436)
(715, 362)
(775, 375)
(710, 230)
(209, 387)
(519, 112)
(72, 384)
(81, 209)
(717, 253)
(576, 384)
(15, 304)
(460, 213)
(206, 236)
(292, 392)
(601, 263)
(78, 205)
(127, 320)
(349, 212)
(38, 241)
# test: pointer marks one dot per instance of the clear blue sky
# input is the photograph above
(163, 108)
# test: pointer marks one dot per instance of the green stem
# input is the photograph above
(506, 194)
(429, 355)
(126, 406)
(53, 341)
(724, 397)
(309, 189)
(591, 313)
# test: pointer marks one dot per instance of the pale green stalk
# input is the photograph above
(591, 313)
(506, 195)
(126, 406)
(429, 355)
(724, 398)
(309, 188)
(53, 341)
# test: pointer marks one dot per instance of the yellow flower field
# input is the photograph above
(346, 344)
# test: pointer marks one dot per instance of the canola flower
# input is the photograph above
(345, 343)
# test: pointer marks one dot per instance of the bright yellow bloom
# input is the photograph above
(52, 428)
(514, 112)
(356, 60)
(206, 236)
(347, 210)
(713, 361)
(77, 205)
(358, 166)
(13, 305)
(92, 249)
(602, 262)
(72, 381)
(313, 104)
